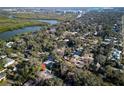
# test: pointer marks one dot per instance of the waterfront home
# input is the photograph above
(9, 62)
(79, 16)
(52, 30)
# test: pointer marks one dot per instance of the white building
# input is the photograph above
(9, 62)
(9, 44)
(3, 56)
(48, 62)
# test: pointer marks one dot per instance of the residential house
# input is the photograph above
(95, 33)
(77, 52)
(83, 61)
(45, 74)
(13, 55)
(15, 69)
(52, 30)
(29, 83)
(79, 16)
(106, 41)
(60, 51)
(87, 58)
(9, 44)
(3, 70)
(3, 56)
(2, 76)
(25, 59)
(66, 40)
(67, 33)
(49, 63)
(115, 55)
(116, 28)
(77, 62)
(93, 41)
(9, 62)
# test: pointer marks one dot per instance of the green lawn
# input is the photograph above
(3, 83)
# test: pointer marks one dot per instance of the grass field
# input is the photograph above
(3, 83)
(22, 20)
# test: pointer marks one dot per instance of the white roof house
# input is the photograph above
(107, 40)
(66, 40)
(79, 15)
(95, 33)
(9, 44)
(3, 56)
(9, 62)
(48, 62)
(15, 69)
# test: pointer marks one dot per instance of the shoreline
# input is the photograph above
(22, 26)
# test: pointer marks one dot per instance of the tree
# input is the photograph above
(25, 72)
(71, 43)
(114, 75)
(85, 78)
(100, 59)
(52, 82)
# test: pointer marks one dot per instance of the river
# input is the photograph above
(52, 22)
(9, 34)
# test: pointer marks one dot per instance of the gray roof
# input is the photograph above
(3, 74)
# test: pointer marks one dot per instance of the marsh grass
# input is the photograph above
(7, 24)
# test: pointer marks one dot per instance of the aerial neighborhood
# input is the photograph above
(86, 49)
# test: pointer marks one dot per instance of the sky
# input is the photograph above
(61, 3)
